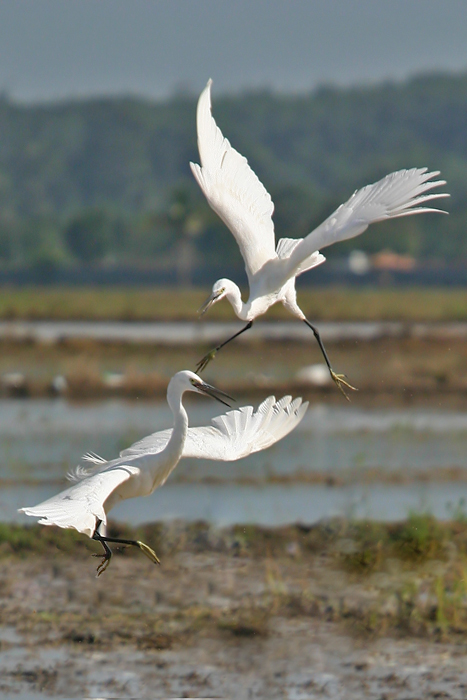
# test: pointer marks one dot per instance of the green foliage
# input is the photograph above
(362, 551)
(420, 537)
(366, 545)
(22, 540)
(111, 176)
(88, 235)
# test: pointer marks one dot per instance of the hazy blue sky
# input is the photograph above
(53, 49)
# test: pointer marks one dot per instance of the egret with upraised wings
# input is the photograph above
(236, 194)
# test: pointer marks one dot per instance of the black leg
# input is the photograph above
(150, 553)
(107, 551)
(338, 379)
(202, 364)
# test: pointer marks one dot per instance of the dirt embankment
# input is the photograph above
(337, 610)
(399, 370)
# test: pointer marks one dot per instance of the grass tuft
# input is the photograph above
(420, 537)
(172, 303)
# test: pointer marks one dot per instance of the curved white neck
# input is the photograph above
(235, 298)
(174, 448)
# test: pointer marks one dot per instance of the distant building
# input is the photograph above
(394, 262)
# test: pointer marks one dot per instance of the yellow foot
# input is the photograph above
(341, 382)
(150, 553)
(202, 364)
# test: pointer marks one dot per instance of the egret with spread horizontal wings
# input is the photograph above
(236, 194)
(146, 465)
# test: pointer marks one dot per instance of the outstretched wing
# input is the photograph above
(399, 194)
(82, 505)
(232, 435)
(233, 190)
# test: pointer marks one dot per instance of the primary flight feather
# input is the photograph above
(240, 199)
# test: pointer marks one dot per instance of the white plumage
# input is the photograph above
(146, 465)
(243, 203)
(233, 435)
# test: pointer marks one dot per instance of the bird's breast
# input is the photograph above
(260, 305)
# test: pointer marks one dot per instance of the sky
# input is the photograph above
(56, 49)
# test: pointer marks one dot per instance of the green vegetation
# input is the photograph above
(419, 539)
(22, 540)
(107, 181)
(406, 579)
(367, 545)
(172, 304)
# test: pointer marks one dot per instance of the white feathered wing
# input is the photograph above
(398, 194)
(82, 505)
(233, 435)
(233, 190)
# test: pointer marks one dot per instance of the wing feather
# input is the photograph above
(81, 505)
(233, 190)
(399, 194)
(239, 433)
(151, 444)
(232, 435)
(285, 248)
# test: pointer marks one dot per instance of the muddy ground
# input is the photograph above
(339, 610)
(388, 370)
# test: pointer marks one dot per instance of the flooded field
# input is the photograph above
(336, 599)
(97, 360)
(342, 460)
(196, 332)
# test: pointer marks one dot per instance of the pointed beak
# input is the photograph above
(208, 303)
(214, 393)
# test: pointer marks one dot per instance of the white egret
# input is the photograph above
(236, 194)
(146, 465)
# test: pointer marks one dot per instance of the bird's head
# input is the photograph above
(219, 291)
(189, 381)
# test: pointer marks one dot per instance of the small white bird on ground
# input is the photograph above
(146, 465)
(236, 194)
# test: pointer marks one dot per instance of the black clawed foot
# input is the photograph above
(341, 382)
(104, 563)
(202, 364)
(146, 549)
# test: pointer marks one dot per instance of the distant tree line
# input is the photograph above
(107, 181)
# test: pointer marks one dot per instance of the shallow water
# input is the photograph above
(189, 333)
(267, 505)
(340, 461)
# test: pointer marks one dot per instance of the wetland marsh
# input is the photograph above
(315, 569)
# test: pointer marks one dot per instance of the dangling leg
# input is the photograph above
(150, 553)
(107, 551)
(202, 364)
(339, 379)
